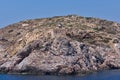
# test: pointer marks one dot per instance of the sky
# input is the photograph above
(12, 11)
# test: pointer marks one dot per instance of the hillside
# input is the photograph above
(60, 45)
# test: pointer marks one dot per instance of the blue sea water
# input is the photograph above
(104, 75)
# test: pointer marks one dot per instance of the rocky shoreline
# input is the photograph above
(79, 46)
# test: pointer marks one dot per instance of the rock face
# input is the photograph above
(39, 46)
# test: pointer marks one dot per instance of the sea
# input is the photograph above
(102, 75)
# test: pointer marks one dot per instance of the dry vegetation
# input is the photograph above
(92, 31)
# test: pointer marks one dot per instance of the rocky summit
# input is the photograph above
(60, 45)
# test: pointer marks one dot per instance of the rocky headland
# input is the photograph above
(60, 45)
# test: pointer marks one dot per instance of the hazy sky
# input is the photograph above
(12, 11)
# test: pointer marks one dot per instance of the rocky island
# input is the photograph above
(60, 45)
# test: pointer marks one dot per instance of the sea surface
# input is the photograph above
(103, 75)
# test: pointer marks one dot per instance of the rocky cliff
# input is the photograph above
(60, 45)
